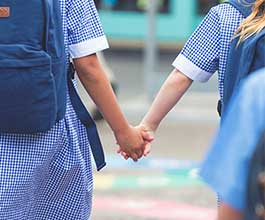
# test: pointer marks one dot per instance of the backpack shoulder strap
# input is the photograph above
(245, 7)
(242, 60)
(252, 54)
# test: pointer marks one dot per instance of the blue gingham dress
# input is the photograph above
(48, 175)
(207, 49)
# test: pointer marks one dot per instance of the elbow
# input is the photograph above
(178, 78)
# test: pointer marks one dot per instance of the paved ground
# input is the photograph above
(165, 185)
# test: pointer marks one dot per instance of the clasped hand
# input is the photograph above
(134, 142)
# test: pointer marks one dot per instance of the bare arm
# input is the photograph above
(98, 87)
(170, 93)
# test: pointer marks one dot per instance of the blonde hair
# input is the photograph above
(254, 23)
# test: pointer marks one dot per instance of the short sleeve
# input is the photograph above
(85, 33)
(200, 56)
(226, 166)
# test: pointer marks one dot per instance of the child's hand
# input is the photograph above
(131, 142)
(147, 136)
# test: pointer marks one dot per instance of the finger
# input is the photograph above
(134, 157)
(147, 136)
(126, 157)
(139, 152)
(147, 149)
(119, 150)
(124, 154)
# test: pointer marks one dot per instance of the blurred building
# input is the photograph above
(125, 21)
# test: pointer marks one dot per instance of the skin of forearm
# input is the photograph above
(170, 93)
(97, 85)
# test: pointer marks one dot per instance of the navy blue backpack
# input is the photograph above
(244, 58)
(32, 66)
(34, 76)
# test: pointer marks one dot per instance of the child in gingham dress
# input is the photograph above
(239, 146)
(48, 176)
(205, 52)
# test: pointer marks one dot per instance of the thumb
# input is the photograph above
(147, 136)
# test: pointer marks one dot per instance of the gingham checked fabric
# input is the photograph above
(48, 176)
(206, 51)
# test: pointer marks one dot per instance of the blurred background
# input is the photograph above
(145, 36)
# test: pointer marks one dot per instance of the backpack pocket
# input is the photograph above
(27, 90)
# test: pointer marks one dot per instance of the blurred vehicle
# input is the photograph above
(172, 28)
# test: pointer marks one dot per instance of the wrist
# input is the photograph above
(121, 129)
(150, 126)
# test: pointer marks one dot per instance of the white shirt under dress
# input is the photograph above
(207, 49)
(48, 176)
